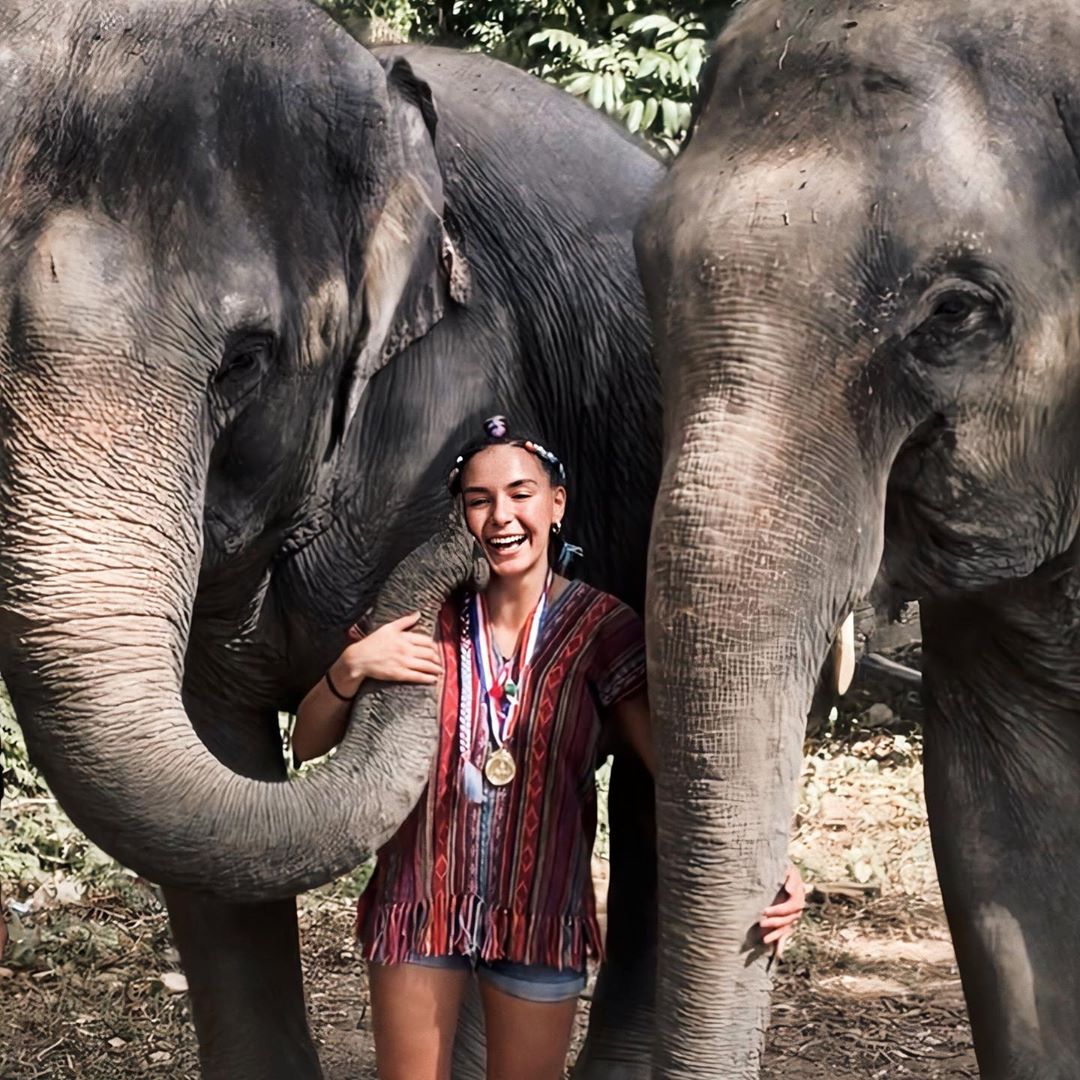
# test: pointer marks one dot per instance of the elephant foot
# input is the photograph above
(612, 1070)
(242, 962)
(294, 1066)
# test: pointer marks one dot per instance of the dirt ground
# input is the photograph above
(870, 989)
(869, 993)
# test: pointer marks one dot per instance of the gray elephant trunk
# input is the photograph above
(96, 606)
(756, 552)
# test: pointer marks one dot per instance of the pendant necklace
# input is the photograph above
(501, 689)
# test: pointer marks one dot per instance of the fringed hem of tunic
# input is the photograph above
(467, 926)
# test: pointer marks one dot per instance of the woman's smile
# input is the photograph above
(503, 545)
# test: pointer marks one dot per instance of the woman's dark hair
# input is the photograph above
(497, 433)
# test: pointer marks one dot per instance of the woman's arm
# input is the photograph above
(393, 653)
(322, 718)
(632, 721)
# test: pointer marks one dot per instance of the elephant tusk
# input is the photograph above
(844, 655)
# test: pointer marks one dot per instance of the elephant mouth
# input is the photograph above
(920, 544)
(915, 555)
(935, 550)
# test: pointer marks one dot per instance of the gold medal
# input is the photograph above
(500, 768)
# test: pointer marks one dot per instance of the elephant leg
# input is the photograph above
(470, 1047)
(621, 1022)
(1002, 763)
(242, 963)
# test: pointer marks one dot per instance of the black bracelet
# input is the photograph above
(334, 690)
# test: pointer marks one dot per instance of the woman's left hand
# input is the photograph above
(778, 921)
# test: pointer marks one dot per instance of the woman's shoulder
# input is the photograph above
(614, 644)
(604, 612)
(591, 595)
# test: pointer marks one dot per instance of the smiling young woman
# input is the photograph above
(489, 875)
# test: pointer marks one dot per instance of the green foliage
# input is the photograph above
(20, 777)
(400, 19)
(40, 844)
(645, 73)
(637, 60)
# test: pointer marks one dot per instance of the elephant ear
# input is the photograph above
(413, 266)
(1067, 103)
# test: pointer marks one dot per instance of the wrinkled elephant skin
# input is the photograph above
(257, 282)
(864, 279)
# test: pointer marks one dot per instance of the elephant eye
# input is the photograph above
(959, 314)
(953, 308)
(246, 357)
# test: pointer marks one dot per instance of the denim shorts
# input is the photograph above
(531, 982)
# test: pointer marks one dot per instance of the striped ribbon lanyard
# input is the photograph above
(504, 693)
(501, 691)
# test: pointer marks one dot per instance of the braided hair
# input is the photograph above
(497, 433)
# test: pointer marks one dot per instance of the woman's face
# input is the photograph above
(510, 506)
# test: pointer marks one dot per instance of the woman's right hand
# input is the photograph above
(393, 653)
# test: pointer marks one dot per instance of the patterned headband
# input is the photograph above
(548, 456)
(496, 428)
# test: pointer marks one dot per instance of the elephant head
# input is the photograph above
(218, 222)
(863, 275)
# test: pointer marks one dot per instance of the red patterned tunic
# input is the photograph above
(509, 879)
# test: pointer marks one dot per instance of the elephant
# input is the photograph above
(863, 276)
(257, 282)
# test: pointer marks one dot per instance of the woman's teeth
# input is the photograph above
(506, 543)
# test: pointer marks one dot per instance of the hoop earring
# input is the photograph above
(556, 528)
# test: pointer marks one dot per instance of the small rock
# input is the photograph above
(6, 973)
(862, 872)
(160, 1057)
(174, 982)
(116, 1043)
(879, 715)
(69, 891)
(833, 811)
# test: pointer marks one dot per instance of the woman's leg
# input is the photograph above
(527, 1039)
(414, 1011)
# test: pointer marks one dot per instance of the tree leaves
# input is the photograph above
(635, 60)
(641, 68)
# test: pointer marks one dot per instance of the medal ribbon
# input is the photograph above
(472, 782)
(504, 694)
